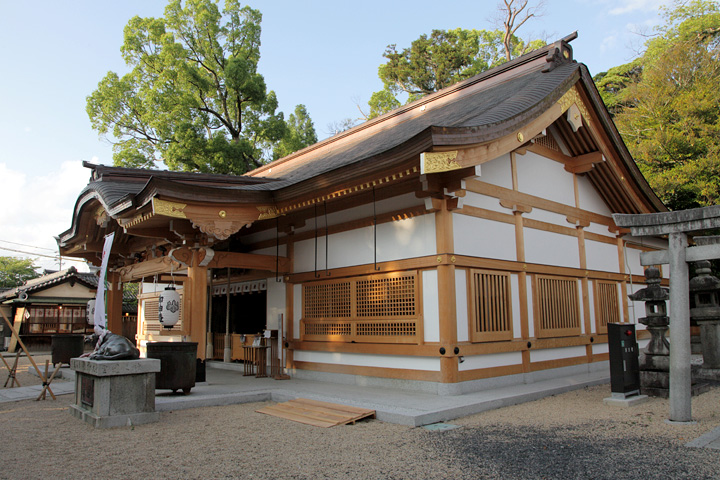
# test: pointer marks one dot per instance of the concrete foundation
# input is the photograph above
(115, 393)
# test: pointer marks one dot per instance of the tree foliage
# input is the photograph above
(16, 271)
(667, 106)
(193, 98)
(300, 133)
(439, 60)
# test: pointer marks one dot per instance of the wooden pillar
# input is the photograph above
(446, 294)
(196, 315)
(114, 296)
(290, 301)
(523, 293)
(585, 288)
(624, 283)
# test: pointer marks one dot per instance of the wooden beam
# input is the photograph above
(250, 261)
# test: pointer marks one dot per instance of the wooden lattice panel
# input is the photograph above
(328, 328)
(607, 304)
(327, 300)
(370, 309)
(548, 142)
(387, 296)
(386, 329)
(557, 306)
(491, 311)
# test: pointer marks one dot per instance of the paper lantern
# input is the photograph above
(90, 312)
(169, 307)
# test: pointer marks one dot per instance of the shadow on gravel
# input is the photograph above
(569, 453)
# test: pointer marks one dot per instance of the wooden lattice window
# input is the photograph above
(386, 296)
(150, 322)
(491, 312)
(607, 304)
(326, 300)
(557, 306)
(376, 308)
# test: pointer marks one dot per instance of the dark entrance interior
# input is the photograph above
(247, 313)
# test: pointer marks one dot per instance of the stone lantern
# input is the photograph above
(656, 318)
(654, 359)
(705, 291)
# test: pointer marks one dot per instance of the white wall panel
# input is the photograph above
(548, 217)
(461, 305)
(549, 248)
(275, 302)
(297, 309)
(515, 292)
(497, 171)
(590, 199)
(489, 361)
(367, 360)
(484, 201)
(545, 178)
(431, 308)
(632, 261)
(602, 256)
(598, 348)
(557, 353)
(478, 237)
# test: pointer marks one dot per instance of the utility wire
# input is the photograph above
(29, 246)
(55, 257)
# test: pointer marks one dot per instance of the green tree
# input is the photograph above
(193, 99)
(670, 117)
(16, 271)
(300, 133)
(438, 61)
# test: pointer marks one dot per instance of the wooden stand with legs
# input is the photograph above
(46, 384)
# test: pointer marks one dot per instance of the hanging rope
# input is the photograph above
(277, 249)
(316, 235)
(327, 272)
(374, 231)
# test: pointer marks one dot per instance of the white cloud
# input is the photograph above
(37, 208)
(629, 6)
(609, 43)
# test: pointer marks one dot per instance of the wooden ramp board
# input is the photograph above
(319, 414)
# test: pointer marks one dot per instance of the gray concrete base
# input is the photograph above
(709, 440)
(453, 389)
(115, 393)
(626, 402)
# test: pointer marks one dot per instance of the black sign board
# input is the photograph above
(624, 367)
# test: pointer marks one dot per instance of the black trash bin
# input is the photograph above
(66, 346)
(178, 363)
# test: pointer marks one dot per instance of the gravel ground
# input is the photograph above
(568, 436)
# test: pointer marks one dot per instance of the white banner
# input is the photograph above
(100, 320)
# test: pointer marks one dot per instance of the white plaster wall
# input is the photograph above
(271, 251)
(484, 201)
(545, 178)
(600, 229)
(598, 348)
(297, 309)
(497, 171)
(368, 360)
(548, 217)
(515, 295)
(461, 305)
(531, 316)
(489, 361)
(549, 248)
(275, 303)
(590, 199)
(65, 290)
(557, 353)
(602, 256)
(409, 238)
(632, 261)
(431, 308)
(478, 237)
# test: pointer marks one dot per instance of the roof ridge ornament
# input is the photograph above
(560, 53)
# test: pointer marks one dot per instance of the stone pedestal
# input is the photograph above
(115, 393)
